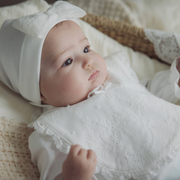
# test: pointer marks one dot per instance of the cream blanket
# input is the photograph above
(156, 14)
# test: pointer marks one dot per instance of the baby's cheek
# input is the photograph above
(45, 88)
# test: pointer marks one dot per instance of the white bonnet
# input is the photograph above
(21, 42)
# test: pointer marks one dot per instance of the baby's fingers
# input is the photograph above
(83, 153)
(75, 149)
(91, 155)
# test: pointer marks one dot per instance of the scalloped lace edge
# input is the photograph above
(64, 147)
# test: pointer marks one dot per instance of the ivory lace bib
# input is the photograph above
(132, 132)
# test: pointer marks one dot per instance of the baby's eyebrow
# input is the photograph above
(84, 39)
(79, 41)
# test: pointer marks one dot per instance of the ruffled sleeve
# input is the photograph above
(165, 84)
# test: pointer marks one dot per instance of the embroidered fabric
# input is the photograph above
(43, 21)
(115, 132)
(166, 45)
(60, 143)
(135, 136)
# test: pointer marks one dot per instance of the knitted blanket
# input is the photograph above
(15, 158)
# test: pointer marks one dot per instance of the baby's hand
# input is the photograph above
(80, 164)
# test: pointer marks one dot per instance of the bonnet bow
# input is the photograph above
(38, 24)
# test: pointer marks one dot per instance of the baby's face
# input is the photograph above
(69, 68)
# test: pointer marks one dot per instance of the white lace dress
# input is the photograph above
(48, 153)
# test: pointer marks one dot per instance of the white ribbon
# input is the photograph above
(100, 89)
(38, 24)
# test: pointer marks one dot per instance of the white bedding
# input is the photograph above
(156, 14)
(12, 106)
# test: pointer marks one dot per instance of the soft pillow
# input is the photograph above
(14, 107)
(161, 15)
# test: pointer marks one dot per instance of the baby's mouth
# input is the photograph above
(94, 75)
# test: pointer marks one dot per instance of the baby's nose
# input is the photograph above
(87, 63)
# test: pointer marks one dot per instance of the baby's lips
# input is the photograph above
(94, 75)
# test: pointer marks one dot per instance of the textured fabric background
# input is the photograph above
(156, 14)
(15, 158)
(113, 9)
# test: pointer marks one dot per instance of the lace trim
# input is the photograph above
(64, 147)
(60, 143)
(165, 44)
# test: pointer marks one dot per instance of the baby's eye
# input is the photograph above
(86, 49)
(67, 62)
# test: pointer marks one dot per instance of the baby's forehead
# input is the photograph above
(63, 25)
(64, 30)
(61, 36)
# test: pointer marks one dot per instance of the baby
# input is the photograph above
(123, 131)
